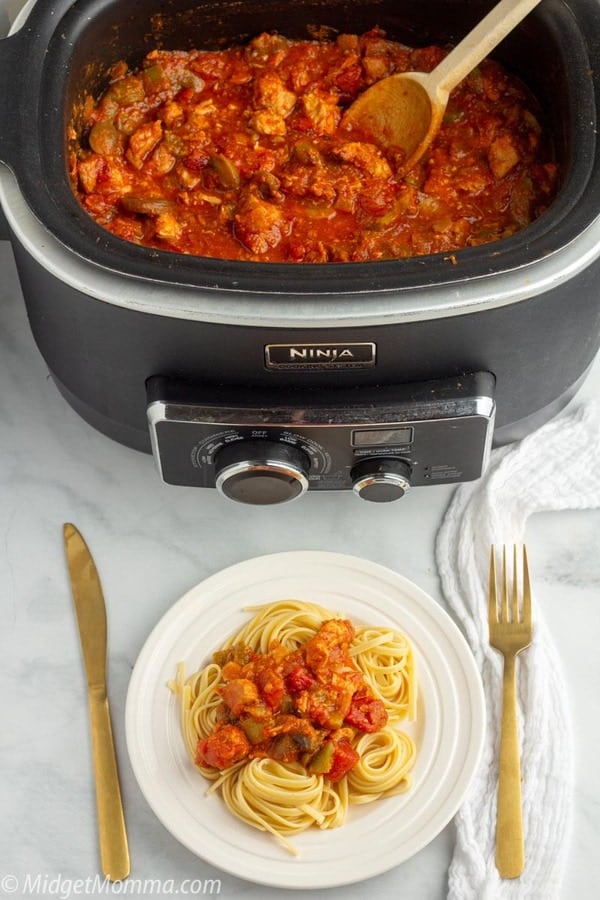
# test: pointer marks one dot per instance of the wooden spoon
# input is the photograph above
(405, 111)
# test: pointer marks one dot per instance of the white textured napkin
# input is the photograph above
(542, 472)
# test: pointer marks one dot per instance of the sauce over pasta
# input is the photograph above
(242, 153)
(304, 705)
(297, 717)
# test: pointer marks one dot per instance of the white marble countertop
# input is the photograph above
(153, 542)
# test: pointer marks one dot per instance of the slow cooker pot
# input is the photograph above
(269, 379)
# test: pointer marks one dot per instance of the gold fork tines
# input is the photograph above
(510, 633)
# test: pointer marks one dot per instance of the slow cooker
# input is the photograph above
(267, 380)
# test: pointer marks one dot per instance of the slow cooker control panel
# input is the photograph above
(264, 447)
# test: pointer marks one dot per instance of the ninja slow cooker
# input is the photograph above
(266, 380)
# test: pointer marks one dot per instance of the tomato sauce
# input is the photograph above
(242, 154)
(304, 706)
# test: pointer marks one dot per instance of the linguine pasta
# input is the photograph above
(283, 798)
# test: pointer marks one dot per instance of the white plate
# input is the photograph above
(449, 731)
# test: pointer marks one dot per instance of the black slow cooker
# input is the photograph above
(266, 380)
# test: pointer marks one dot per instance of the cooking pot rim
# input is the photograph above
(322, 311)
(61, 214)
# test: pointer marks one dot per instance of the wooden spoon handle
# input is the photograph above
(479, 43)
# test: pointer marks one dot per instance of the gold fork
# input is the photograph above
(510, 633)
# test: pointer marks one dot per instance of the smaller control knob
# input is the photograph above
(381, 479)
(261, 472)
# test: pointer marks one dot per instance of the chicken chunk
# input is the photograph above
(322, 110)
(266, 122)
(167, 227)
(330, 642)
(89, 170)
(259, 225)
(107, 176)
(142, 142)
(502, 156)
(271, 93)
(366, 157)
(239, 694)
(222, 748)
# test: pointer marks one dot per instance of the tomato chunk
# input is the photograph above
(299, 679)
(366, 713)
(272, 687)
(345, 758)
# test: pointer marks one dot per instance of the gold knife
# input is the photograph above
(91, 618)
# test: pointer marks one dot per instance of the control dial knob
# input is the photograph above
(261, 472)
(381, 479)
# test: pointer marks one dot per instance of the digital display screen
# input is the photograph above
(383, 437)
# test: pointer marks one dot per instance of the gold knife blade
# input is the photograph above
(91, 619)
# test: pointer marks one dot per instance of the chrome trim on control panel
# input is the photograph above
(322, 417)
(381, 478)
(266, 465)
